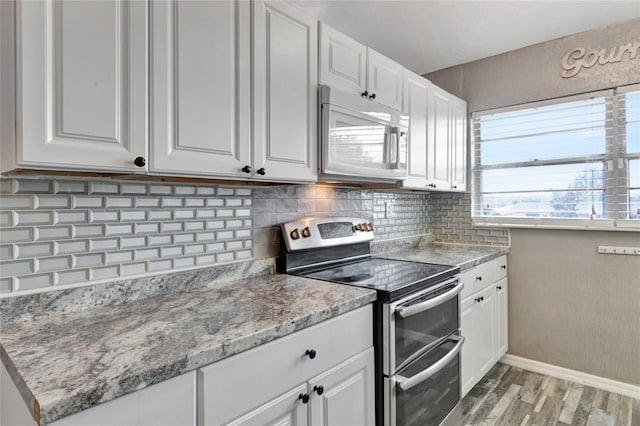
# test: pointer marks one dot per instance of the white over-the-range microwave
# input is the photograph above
(360, 140)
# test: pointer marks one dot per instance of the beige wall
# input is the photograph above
(572, 307)
(533, 73)
(568, 305)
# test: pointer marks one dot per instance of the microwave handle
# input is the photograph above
(407, 311)
(406, 383)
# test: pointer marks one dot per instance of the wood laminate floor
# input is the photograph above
(512, 396)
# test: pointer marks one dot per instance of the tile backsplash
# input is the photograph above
(69, 231)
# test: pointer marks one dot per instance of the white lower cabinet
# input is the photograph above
(169, 403)
(483, 320)
(319, 375)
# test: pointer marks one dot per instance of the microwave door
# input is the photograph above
(356, 146)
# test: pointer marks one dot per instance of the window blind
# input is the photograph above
(570, 161)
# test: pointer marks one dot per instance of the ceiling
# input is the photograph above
(426, 35)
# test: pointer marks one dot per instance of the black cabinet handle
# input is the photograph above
(431, 185)
(318, 389)
(503, 267)
(246, 169)
(304, 397)
(140, 161)
(311, 353)
(454, 187)
(365, 93)
(477, 299)
(499, 287)
(478, 278)
(373, 96)
(261, 171)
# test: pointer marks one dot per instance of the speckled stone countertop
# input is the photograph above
(65, 363)
(463, 256)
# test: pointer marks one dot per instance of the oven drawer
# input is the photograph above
(428, 389)
(275, 367)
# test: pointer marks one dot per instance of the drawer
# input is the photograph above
(242, 382)
(500, 269)
(478, 277)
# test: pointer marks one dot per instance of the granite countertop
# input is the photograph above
(65, 363)
(463, 256)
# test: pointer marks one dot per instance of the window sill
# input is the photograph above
(569, 224)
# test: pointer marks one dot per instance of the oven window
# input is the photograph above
(414, 333)
(429, 402)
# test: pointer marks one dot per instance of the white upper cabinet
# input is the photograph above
(384, 79)
(352, 67)
(415, 102)
(81, 78)
(458, 145)
(200, 94)
(438, 146)
(285, 93)
(343, 61)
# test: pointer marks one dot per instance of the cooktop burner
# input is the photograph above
(391, 278)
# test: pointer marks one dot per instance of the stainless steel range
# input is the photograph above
(416, 317)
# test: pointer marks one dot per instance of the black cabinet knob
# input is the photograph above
(311, 353)
(365, 93)
(373, 96)
(246, 169)
(454, 187)
(318, 389)
(477, 299)
(261, 171)
(499, 287)
(478, 278)
(304, 397)
(140, 161)
(503, 267)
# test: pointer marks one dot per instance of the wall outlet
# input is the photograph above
(619, 250)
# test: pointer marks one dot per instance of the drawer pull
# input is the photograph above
(311, 353)
(318, 389)
(304, 397)
(478, 278)
(479, 299)
(503, 266)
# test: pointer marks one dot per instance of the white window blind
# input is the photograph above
(570, 162)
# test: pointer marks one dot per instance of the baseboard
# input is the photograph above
(603, 383)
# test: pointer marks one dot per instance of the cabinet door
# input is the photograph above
(343, 61)
(477, 326)
(415, 102)
(470, 329)
(200, 94)
(172, 402)
(285, 410)
(458, 145)
(438, 140)
(502, 318)
(285, 78)
(344, 395)
(384, 79)
(81, 84)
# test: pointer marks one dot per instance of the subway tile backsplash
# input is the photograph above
(72, 231)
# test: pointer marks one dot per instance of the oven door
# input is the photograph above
(427, 391)
(419, 322)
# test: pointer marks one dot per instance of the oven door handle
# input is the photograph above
(407, 311)
(406, 383)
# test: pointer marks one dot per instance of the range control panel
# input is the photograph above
(314, 232)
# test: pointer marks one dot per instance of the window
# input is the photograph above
(571, 162)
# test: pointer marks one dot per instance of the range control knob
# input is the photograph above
(295, 234)
(306, 232)
(358, 226)
(363, 226)
(370, 226)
